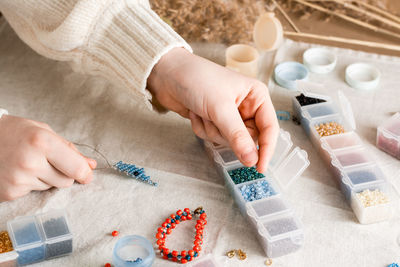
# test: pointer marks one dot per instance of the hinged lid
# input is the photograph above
(282, 148)
(267, 32)
(291, 168)
(306, 88)
(346, 109)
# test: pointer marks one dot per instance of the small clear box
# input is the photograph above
(388, 137)
(374, 213)
(284, 168)
(56, 232)
(8, 259)
(320, 110)
(353, 167)
(285, 234)
(27, 240)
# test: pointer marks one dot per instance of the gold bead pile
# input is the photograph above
(329, 128)
(5, 242)
(371, 198)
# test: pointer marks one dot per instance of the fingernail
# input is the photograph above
(92, 163)
(250, 156)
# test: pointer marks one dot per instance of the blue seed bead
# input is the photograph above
(168, 225)
(196, 254)
(188, 257)
(179, 257)
(177, 217)
(184, 213)
(394, 264)
(169, 255)
(172, 221)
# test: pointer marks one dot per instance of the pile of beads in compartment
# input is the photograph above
(372, 197)
(255, 191)
(170, 223)
(5, 242)
(329, 128)
(245, 174)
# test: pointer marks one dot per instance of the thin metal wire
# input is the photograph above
(98, 152)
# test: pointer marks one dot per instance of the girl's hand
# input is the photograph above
(34, 157)
(223, 106)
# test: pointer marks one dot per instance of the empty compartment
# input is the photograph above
(320, 110)
(283, 234)
(340, 141)
(57, 234)
(226, 156)
(352, 157)
(27, 240)
(257, 190)
(266, 207)
(372, 204)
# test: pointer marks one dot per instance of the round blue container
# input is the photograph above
(134, 251)
(287, 73)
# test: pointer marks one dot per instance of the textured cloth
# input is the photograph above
(120, 40)
(88, 110)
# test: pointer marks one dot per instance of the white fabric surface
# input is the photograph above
(88, 110)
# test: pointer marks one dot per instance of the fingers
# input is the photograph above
(268, 127)
(53, 177)
(92, 163)
(67, 160)
(232, 127)
(205, 129)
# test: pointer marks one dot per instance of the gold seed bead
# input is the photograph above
(329, 128)
(230, 253)
(372, 197)
(268, 262)
(242, 255)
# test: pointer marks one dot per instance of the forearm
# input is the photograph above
(119, 40)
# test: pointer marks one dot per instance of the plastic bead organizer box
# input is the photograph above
(259, 196)
(355, 171)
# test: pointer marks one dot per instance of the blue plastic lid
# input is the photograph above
(134, 251)
(287, 73)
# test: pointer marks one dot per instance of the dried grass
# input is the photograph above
(232, 21)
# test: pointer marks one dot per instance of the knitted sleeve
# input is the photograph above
(120, 40)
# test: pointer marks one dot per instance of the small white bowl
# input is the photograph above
(319, 60)
(362, 76)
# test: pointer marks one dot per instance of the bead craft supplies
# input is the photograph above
(252, 200)
(287, 73)
(305, 100)
(5, 242)
(243, 59)
(231, 253)
(256, 191)
(242, 255)
(170, 223)
(268, 262)
(388, 137)
(115, 233)
(351, 164)
(133, 251)
(394, 264)
(245, 174)
(329, 128)
(128, 169)
(371, 198)
(40, 237)
(283, 115)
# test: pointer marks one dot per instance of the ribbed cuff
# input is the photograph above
(126, 44)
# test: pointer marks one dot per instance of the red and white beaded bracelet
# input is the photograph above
(170, 223)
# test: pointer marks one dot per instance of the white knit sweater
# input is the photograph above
(121, 40)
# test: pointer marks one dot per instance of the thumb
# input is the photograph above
(232, 127)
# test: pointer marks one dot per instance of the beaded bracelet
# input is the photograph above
(170, 223)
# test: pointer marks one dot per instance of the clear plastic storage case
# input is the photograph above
(388, 137)
(351, 163)
(40, 237)
(262, 201)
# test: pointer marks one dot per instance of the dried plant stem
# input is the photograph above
(350, 19)
(378, 10)
(286, 16)
(344, 40)
(351, 6)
